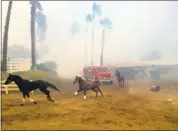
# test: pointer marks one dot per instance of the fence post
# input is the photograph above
(6, 90)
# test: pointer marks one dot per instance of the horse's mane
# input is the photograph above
(17, 76)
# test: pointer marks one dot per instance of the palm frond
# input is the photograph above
(74, 28)
(96, 9)
(106, 22)
(41, 19)
(89, 18)
(37, 4)
(42, 25)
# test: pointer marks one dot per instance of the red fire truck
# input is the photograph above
(101, 73)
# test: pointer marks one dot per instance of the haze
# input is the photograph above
(138, 27)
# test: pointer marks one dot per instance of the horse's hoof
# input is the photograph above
(21, 104)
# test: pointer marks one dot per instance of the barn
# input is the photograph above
(152, 70)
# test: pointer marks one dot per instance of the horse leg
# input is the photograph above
(85, 92)
(123, 82)
(119, 83)
(23, 100)
(45, 91)
(100, 91)
(95, 91)
(28, 95)
(77, 92)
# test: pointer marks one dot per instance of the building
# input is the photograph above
(151, 70)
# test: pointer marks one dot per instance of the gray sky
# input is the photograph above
(138, 27)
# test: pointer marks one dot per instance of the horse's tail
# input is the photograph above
(100, 91)
(52, 86)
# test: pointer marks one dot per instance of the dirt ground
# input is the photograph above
(133, 107)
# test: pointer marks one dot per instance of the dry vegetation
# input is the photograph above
(131, 108)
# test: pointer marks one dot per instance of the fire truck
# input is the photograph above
(100, 73)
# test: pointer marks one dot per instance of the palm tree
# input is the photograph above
(96, 11)
(5, 39)
(34, 6)
(107, 24)
(88, 19)
(74, 28)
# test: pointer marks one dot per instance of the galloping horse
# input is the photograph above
(84, 86)
(120, 79)
(26, 86)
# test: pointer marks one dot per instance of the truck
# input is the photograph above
(100, 73)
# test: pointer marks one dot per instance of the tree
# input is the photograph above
(35, 5)
(96, 11)
(88, 19)
(48, 66)
(74, 28)
(5, 39)
(107, 24)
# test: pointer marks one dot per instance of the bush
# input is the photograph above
(49, 67)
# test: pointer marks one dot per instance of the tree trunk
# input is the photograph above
(86, 49)
(33, 39)
(102, 47)
(92, 45)
(5, 39)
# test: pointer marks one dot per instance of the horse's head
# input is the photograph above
(76, 79)
(10, 79)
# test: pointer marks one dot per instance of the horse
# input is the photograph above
(26, 86)
(120, 79)
(85, 86)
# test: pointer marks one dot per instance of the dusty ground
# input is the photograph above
(131, 108)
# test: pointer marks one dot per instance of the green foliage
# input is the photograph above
(49, 67)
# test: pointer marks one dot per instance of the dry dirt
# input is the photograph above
(133, 107)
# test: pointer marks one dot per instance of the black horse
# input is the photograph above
(84, 86)
(26, 86)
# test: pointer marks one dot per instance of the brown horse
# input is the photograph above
(121, 81)
(85, 86)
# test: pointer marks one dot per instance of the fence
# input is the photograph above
(10, 87)
(7, 88)
(18, 65)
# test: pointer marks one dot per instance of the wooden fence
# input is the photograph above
(18, 65)
(10, 87)
(7, 88)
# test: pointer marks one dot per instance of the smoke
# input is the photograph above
(151, 56)
(139, 27)
(42, 25)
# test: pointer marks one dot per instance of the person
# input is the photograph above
(118, 75)
(80, 75)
